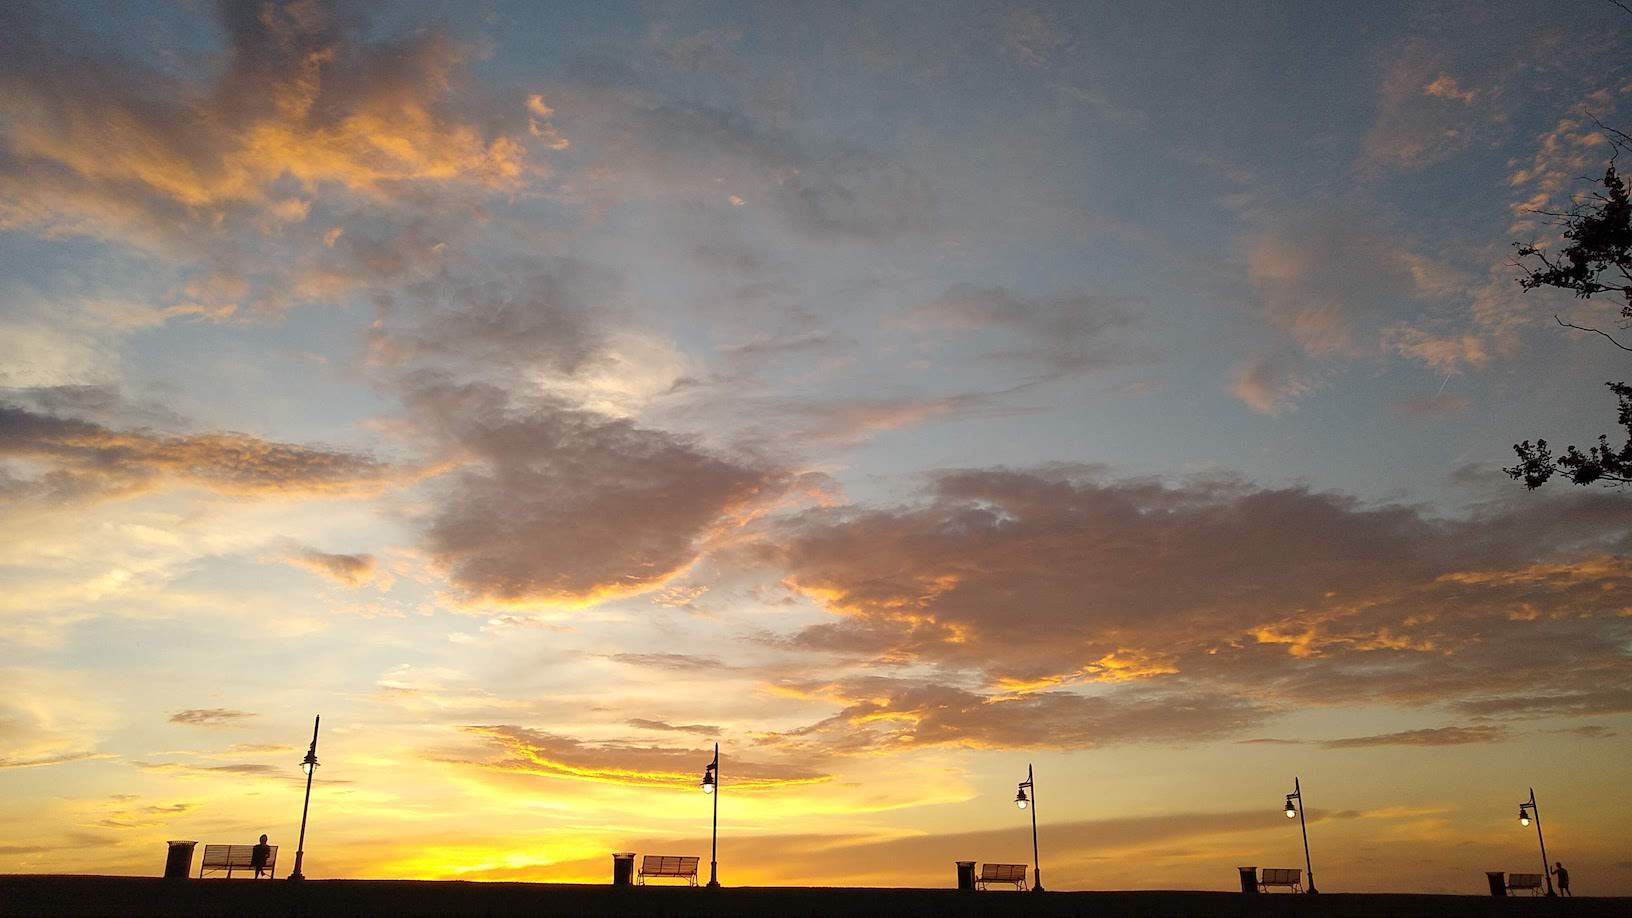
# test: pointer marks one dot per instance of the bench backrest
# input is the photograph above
(1524, 881)
(1003, 873)
(1281, 876)
(668, 865)
(235, 856)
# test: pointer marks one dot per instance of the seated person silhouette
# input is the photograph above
(258, 856)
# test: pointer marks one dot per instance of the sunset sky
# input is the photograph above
(896, 394)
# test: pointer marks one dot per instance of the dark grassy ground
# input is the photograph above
(136, 897)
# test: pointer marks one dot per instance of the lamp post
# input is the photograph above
(711, 784)
(1526, 810)
(308, 765)
(1023, 803)
(1297, 810)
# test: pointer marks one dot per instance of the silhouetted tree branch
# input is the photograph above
(1594, 331)
(1596, 260)
(1601, 463)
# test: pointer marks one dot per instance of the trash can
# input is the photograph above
(1498, 882)
(178, 862)
(623, 868)
(1249, 880)
(966, 876)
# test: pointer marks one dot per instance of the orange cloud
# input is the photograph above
(1264, 595)
(299, 96)
(551, 755)
(89, 459)
(347, 570)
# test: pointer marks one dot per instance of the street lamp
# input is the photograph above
(308, 765)
(1296, 809)
(1528, 809)
(711, 783)
(1022, 802)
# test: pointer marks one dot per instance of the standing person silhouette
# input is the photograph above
(258, 856)
(1563, 876)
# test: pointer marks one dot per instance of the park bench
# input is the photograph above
(1530, 881)
(1001, 873)
(664, 865)
(1290, 877)
(235, 857)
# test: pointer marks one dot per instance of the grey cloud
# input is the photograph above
(143, 816)
(785, 347)
(672, 661)
(102, 404)
(1435, 406)
(210, 717)
(646, 138)
(257, 748)
(42, 760)
(1434, 736)
(1587, 731)
(1548, 701)
(289, 774)
(1064, 334)
(541, 321)
(567, 505)
(664, 726)
(849, 421)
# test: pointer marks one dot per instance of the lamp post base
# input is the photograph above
(713, 874)
(1037, 881)
(296, 874)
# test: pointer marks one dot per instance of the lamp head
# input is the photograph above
(1291, 810)
(1524, 817)
(1020, 799)
(708, 780)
